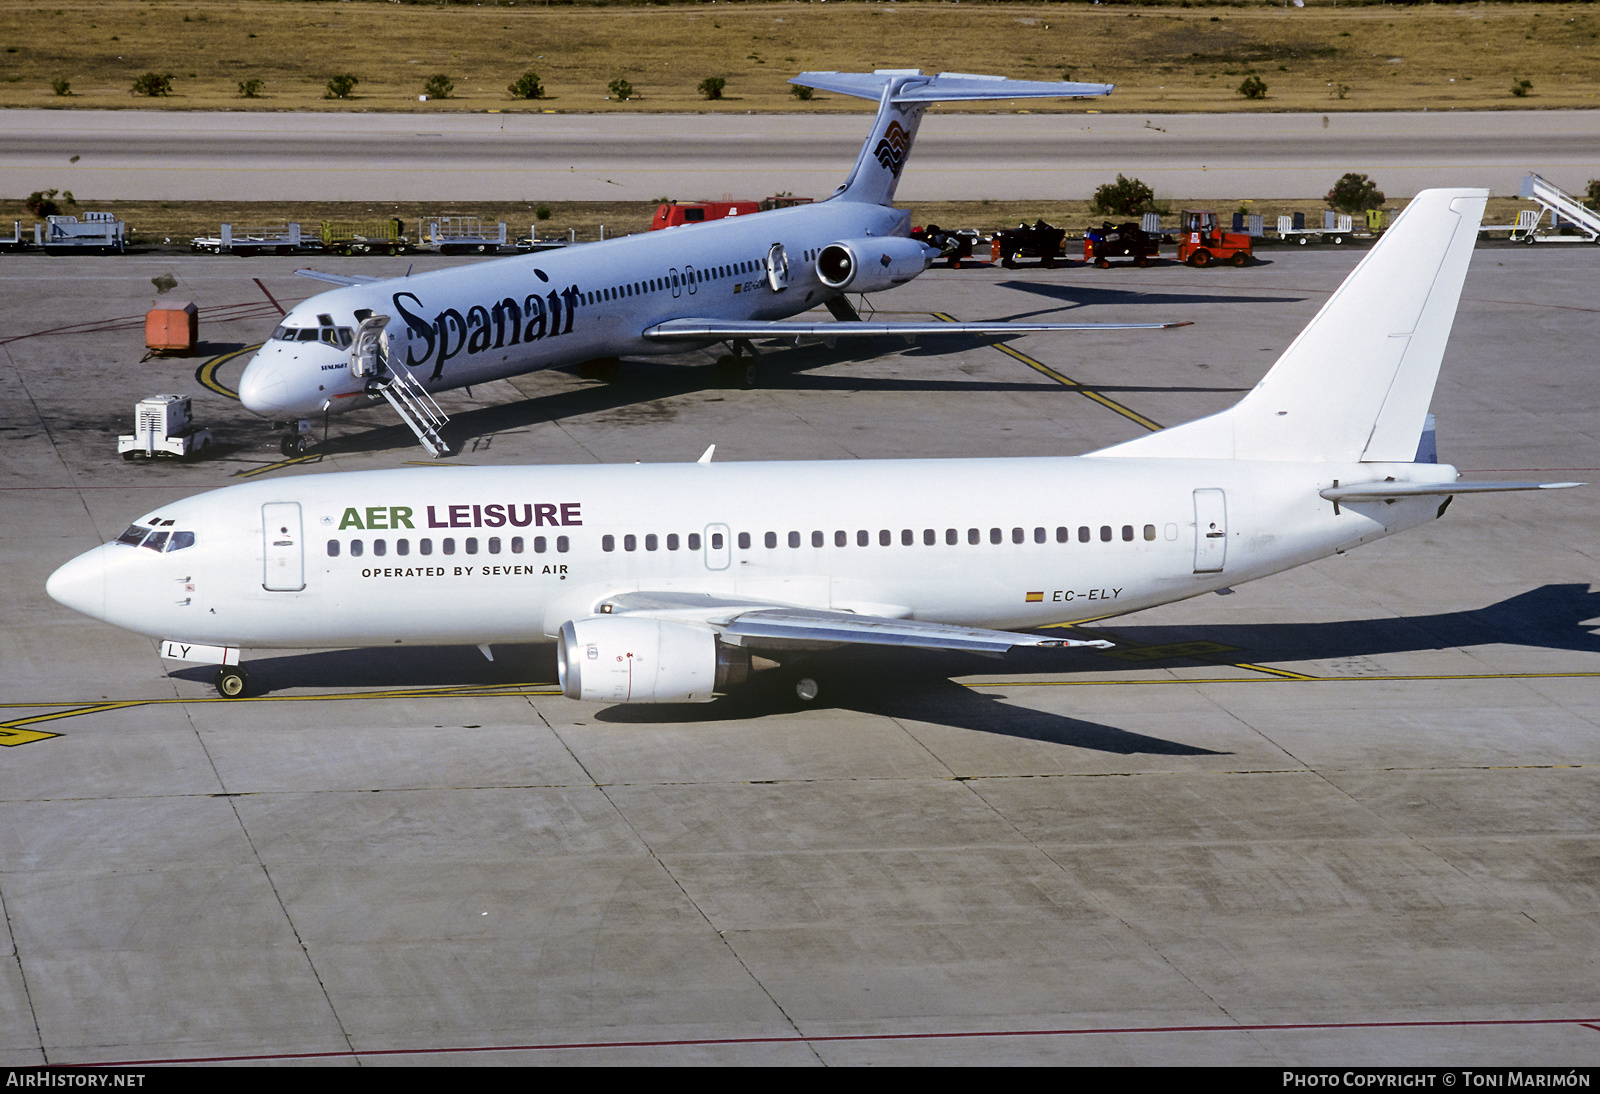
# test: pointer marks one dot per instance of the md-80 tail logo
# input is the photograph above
(891, 151)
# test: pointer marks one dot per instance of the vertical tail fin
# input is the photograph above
(903, 94)
(1356, 384)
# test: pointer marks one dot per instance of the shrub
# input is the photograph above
(711, 87)
(527, 87)
(542, 213)
(41, 203)
(153, 84)
(1521, 88)
(620, 89)
(1593, 192)
(439, 86)
(1353, 193)
(1254, 87)
(341, 86)
(1338, 91)
(60, 86)
(801, 93)
(250, 89)
(1124, 198)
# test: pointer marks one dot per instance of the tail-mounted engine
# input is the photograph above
(873, 264)
(618, 659)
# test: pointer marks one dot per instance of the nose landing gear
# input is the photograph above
(232, 681)
(294, 441)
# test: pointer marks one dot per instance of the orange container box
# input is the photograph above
(171, 328)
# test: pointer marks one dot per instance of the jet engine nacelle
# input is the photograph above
(873, 264)
(619, 659)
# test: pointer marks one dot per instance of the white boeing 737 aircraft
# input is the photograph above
(672, 582)
(661, 292)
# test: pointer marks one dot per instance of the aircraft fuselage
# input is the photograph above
(504, 317)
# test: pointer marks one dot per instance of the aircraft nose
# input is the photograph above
(264, 387)
(81, 584)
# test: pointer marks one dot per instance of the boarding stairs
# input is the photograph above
(1561, 206)
(369, 360)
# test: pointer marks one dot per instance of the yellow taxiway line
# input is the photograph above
(1065, 381)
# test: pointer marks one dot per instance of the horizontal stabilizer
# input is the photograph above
(946, 87)
(700, 330)
(339, 279)
(1391, 491)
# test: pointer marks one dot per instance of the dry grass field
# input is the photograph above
(158, 222)
(1163, 58)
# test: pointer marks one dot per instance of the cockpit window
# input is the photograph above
(139, 535)
(342, 337)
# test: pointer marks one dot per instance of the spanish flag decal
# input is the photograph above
(1034, 598)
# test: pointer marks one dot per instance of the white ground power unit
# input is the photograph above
(162, 426)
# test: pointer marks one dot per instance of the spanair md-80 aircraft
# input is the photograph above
(674, 582)
(662, 292)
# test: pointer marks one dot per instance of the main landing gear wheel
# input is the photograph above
(738, 369)
(232, 681)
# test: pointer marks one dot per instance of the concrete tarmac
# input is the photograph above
(174, 156)
(1348, 815)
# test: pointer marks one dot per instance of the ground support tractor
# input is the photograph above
(1202, 241)
(1042, 241)
(1129, 240)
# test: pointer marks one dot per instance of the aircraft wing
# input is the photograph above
(700, 330)
(772, 626)
(339, 279)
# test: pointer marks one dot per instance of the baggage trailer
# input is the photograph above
(953, 245)
(1561, 206)
(461, 235)
(1336, 228)
(1203, 241)
(14, 241)
(348, 237)
(101, 232)
(277, 239)
(1127, 240)
(1042, 241)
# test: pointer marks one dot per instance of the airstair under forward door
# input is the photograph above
(1210, 531)
(285, 570)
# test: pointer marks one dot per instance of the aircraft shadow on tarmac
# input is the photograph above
(920, 686)
(636, 382)
(1084, 296)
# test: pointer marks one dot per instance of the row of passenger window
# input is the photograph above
(659, 284)
(447, 546)
(886, 537)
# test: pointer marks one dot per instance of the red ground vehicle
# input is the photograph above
(1202, 240)
(676, 213)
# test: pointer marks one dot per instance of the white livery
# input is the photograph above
(672, 582)
(730, 280)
